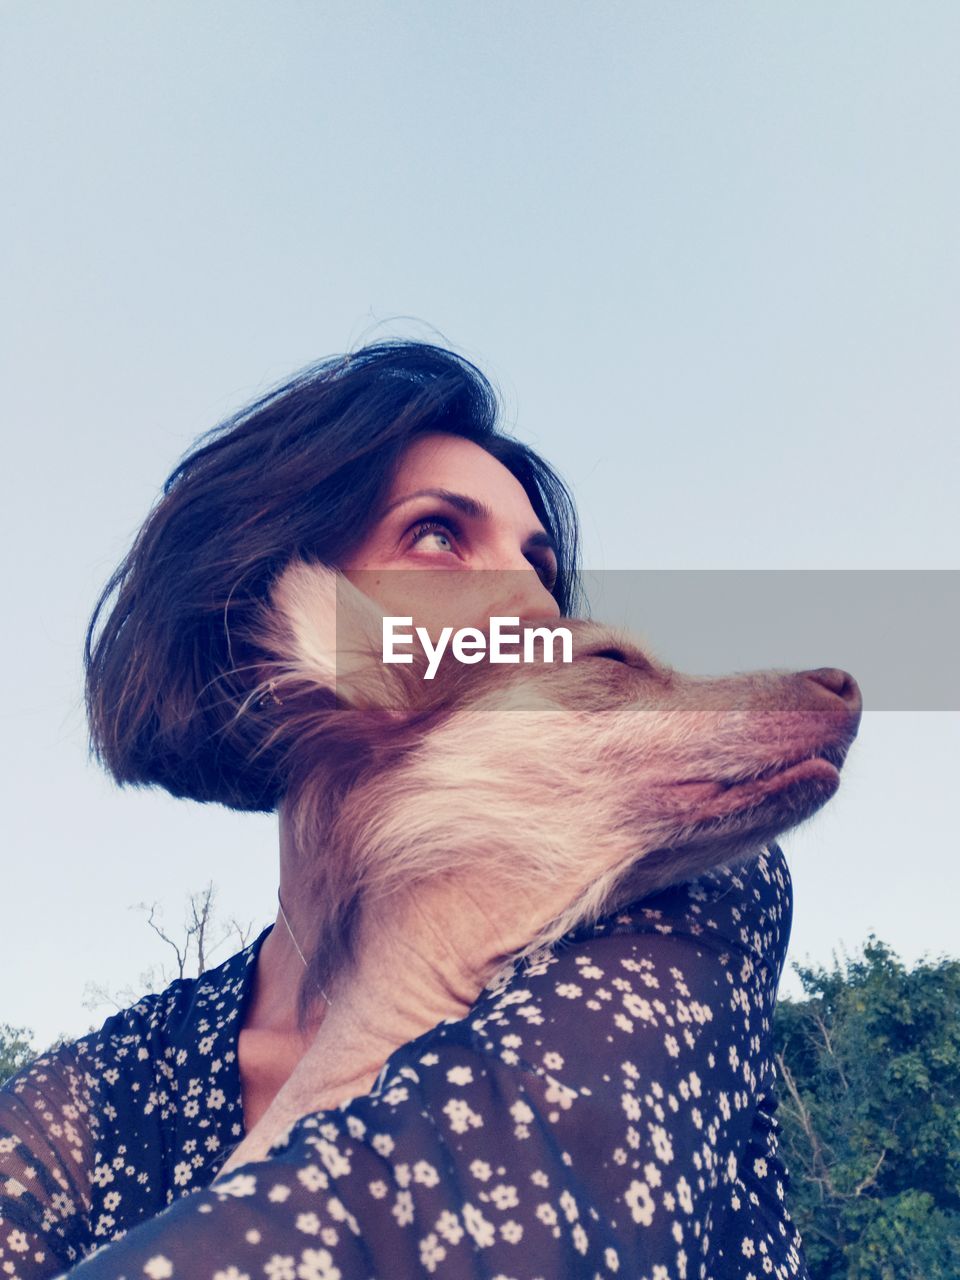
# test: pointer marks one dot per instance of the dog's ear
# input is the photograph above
(325, 633)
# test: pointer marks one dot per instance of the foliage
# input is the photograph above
(869, 1090)
(15, 1049)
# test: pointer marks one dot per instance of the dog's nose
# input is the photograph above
(840, 683)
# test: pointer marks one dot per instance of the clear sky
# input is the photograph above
(709, 253)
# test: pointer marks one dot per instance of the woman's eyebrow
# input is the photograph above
(470, 507)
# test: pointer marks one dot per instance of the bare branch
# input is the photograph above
(871, 1177)
(244, 932)
(181, 955)
(828, 1045)
(201, 911)
(821, 1169)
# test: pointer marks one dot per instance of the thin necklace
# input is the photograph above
(283, 917)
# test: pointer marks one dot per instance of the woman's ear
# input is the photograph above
(320, 630)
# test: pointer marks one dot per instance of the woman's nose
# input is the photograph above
(525, 595)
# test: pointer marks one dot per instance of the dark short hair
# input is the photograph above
(300, 472)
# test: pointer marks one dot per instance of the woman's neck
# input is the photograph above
(280, 965)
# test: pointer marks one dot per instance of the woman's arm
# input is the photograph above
(47, 1141)
(104, 1132)
(589, 1118)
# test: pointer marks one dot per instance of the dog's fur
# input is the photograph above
(599, 781)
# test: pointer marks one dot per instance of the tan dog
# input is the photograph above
(575, 786)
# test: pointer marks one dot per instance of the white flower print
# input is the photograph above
(335, 1161)
(382, 1143)
(425, 1173)
(241, 1184)
(338, 1211)
(661, 1143)
(461, 1116)
(158, 1267)
(102, 1175)
(431, 1252)
(63, 1205)
(280, 1266)
(448, 1226)
(317, 1264)
(403, 1208)
(521, 1111)
(460, 1075)
(641, 1204)
(504, 1197)
(313, 1178)
(569, 990)
(638, 1007)
(477, 1225)
(511, 1231)
(569, 1206)
(631, 1106)
(355, 1127)
(558, 1092)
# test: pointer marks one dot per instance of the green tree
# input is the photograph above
(15, 1049)
(869, 1090)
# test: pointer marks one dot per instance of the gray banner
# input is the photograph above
(896, 631)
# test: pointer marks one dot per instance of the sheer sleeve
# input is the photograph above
(102, 1133)
(47, 1141)
(594, 1116)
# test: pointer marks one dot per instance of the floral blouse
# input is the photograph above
(604, 1110)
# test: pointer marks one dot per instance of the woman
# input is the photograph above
(607, 1110)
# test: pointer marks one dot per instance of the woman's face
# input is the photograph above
(499, 535)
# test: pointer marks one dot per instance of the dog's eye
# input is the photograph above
(626, 657)
(615, 655)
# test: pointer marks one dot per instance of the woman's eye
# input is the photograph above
(433, 525)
